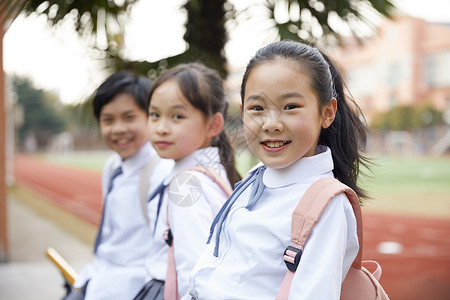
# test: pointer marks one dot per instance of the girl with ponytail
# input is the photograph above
(301, 125)
(187, 110)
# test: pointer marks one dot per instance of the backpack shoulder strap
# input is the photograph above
(171, 285)
(313, 203)
(144, 184)
(211, 173)
(306, 215)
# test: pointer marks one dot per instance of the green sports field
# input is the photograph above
(88, 160)
(411, 185)
(398, 185)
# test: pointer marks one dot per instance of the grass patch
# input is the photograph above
(418, 186)
(87, 160)
(398, 175)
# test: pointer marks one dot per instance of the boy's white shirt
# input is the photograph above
(118, 270)
(250, 264)
(190, 225)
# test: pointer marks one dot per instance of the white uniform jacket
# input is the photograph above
(250, 261)
(195, 199)
(118, 271)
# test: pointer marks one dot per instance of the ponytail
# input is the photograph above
(226, 154)
(346, 136)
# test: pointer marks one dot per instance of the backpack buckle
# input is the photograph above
(168, 237)
(292, 257)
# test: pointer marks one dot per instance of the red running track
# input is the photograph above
(413, 252)
(78, 191)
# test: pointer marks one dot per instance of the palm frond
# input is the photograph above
(90, 16)
(306, 17)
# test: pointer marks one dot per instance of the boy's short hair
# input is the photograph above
(122, 82)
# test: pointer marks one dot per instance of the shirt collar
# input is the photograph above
(318, 164)
(208, 156)
(139, 159)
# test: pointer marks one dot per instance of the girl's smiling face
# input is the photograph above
(176, 127)
(281, 113)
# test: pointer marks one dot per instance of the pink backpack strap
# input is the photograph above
(211, 173)
(306, 215)
(171, 284)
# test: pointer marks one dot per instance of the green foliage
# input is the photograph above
(205, 36)
(302, 18)
(205, 25)
(430, 116)
(42, 112)
(407, 118)
(82, 117)
(89, 16)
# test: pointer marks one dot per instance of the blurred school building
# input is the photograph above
(407, 63)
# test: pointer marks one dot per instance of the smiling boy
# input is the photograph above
(121, 108)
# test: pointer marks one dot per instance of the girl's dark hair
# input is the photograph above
(347, 135)
(203, 88)
(122, 82)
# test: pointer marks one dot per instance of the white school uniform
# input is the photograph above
(250, 261)
(118, 270)
(189, 224)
